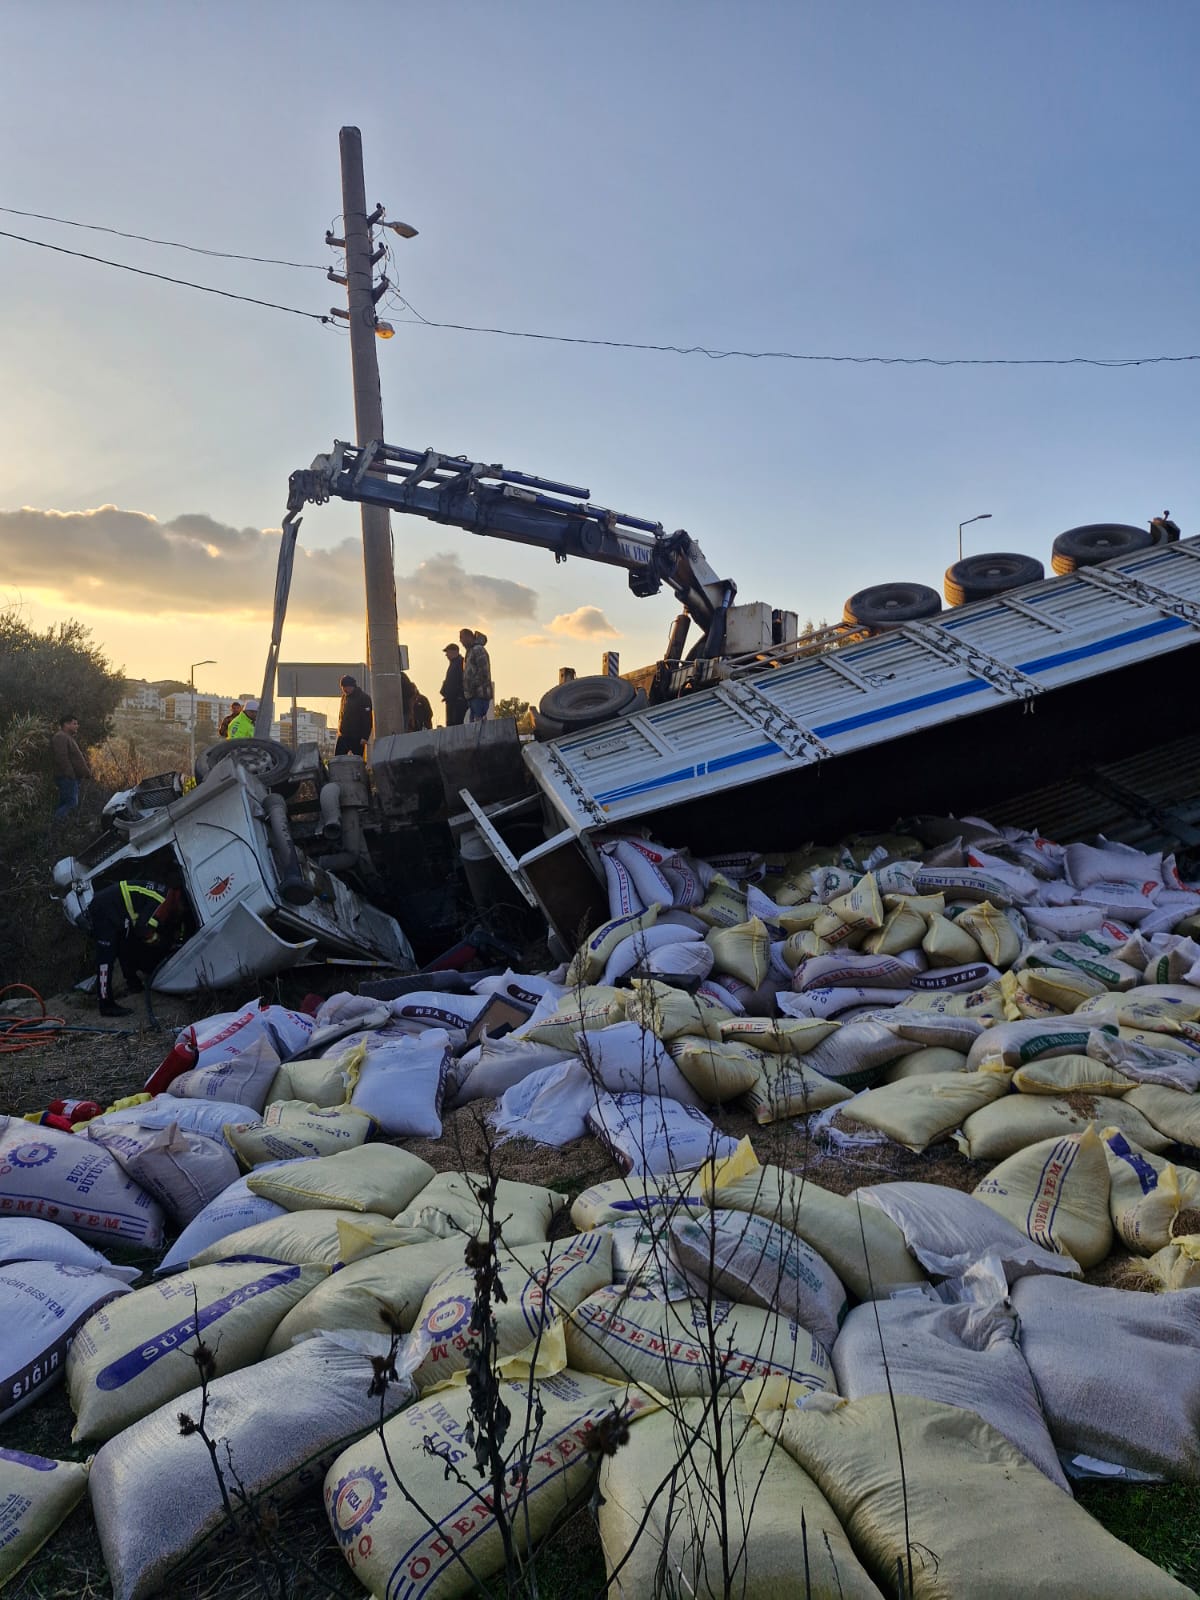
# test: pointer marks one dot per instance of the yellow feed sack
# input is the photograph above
(782, 1036)
(36, 1494)
(1176, 1115)
(1019, 1003)
(324, 1237)
(860, 909)
(591, 958)
(743, 951)
(1063, 987)
(924, 905)
(672, 1013)
(916, 1111)
(376, 1294)
(1177, 1265)
(1056, 1192)
(833, 1224)
(948, 945)
(992, 932)
(536, 1281)
(289, 1128)
(1018, 1120)
(448, 1207)
(902, 929)
(798, 947)
(786, 1086)
(411, 1538)
(647, 1530)
(976, 1519)
(723, 906)
(717, 1071)
(1071, 1075)
(316, 1083)
(1146, 1193)
(135, 1353)
(376, 1177)
(925, 1064)
(625, 1333)
(579, 1011)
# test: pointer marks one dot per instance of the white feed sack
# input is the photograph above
(42, 1303)
(627, 1059)
(64, 1178)
(402, 1081)
(245, 1078)
(220, 1039)
(501, 1063)
(236, 1208)
(948, 1231)
(134, 1355)
(209, 1117)
(1118, 1372)
(183, 1171)
(391, 1546)
(282, 1422)
(550, 1106)
(652, 1135)
(961, 1355)
(36, 1495)
(31, 1239)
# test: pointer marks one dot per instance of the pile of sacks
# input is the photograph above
(735, 1319)
(1041, 1005)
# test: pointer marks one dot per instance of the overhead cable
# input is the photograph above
(173, 244)
(186, 283)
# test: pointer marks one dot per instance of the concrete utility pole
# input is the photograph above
(383, 642)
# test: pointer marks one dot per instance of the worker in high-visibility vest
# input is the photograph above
(135, 924)
(242, 726)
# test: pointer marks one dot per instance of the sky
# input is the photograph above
(945, 178)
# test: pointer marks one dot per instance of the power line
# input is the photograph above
(186, 283)
(417, 320)
(173, 244)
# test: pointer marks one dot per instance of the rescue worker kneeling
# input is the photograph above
(135, 924)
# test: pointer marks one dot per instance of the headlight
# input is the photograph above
(65, 872)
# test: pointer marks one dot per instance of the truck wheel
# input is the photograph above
(982, 577)
(545, 728)
(887, 605)
(1095, 542)
(582, 701)
(268, 761)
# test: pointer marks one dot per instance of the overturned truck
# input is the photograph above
(1062, 703)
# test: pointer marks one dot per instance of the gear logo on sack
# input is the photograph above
(31, 1155)
(447, 1318)
(354, 1502)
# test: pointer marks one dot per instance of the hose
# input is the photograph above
(26, 1033)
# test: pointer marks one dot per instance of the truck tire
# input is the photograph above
(583, 701)
(982, 577)
(268, 761)
(887, 605)
(1096, 542)
(545, 728)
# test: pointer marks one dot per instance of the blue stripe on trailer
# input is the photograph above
(720, 763)
(918, 703)
(1152, 630)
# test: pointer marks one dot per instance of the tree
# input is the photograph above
(44, 675)
(512, 706)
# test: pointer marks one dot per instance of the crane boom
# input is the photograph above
(502, 504)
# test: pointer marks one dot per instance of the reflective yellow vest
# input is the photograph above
(241, 727)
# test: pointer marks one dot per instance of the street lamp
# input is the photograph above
(982, 517)
(192, 718)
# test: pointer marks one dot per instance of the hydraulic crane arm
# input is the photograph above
(558, 517)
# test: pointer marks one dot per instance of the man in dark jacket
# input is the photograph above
(354, 719)
(452, 690)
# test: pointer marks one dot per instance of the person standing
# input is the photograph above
(452, 687)
(477, 674)
(70, 765)
(242, 726)
(132, 923)
(235, 711)
(418, 713)
(355, 718)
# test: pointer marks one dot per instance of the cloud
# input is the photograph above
(534, 640)
(128, 561)
(585, 622)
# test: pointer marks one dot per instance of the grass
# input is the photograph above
(1161, 1521)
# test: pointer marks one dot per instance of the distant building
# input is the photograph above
(141, 696)
(312, 727)
(209, 708)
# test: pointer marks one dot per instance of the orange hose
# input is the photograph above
(26, 1033)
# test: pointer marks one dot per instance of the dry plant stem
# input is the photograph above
(887, 1374)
